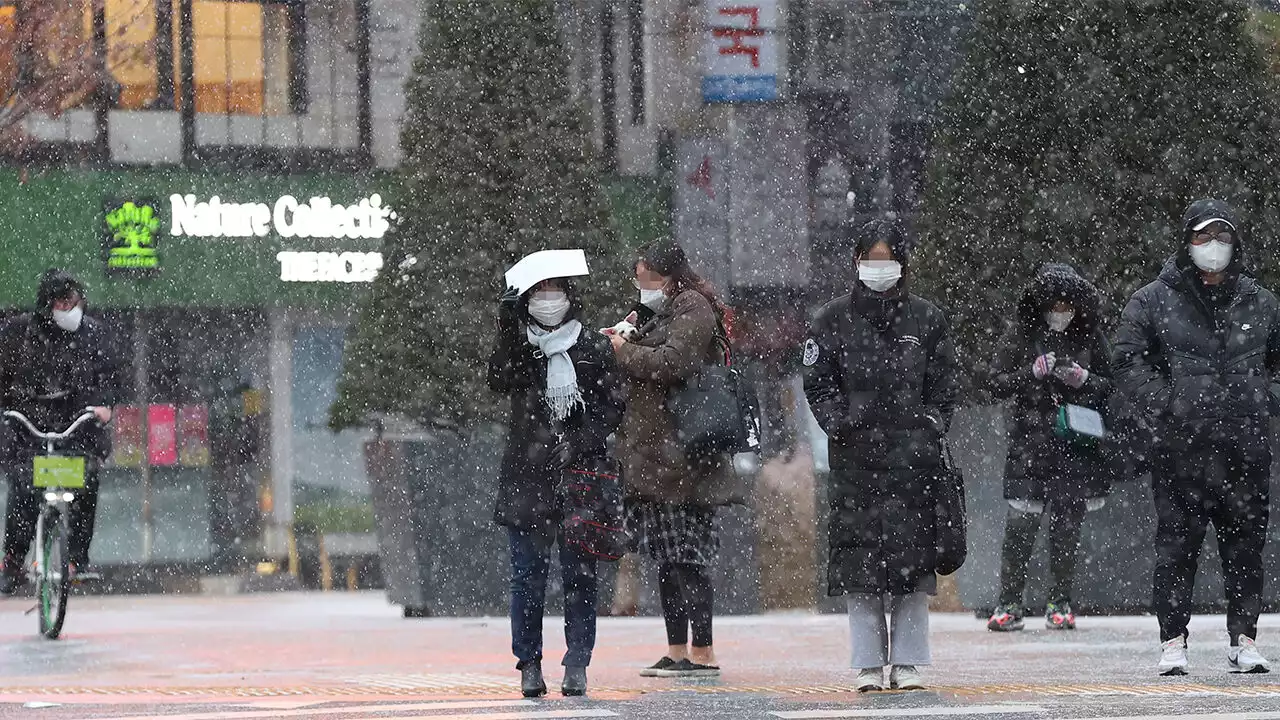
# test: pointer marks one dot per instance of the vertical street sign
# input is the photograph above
(742, 51)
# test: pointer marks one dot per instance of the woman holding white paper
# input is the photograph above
(1055, 359)
(565, 395)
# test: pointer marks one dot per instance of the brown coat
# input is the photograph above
(667, 351)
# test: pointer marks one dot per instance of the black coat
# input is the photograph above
(51, 375)
(1040, 466)
(881, 378)
(1197, 368)
(526, 484)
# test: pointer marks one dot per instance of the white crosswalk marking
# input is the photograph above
(535, 715)
(1203, 716)
(956, 711)
(345, 709)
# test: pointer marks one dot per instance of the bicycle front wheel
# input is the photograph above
(53, 583)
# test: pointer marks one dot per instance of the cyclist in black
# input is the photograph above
(54, 363)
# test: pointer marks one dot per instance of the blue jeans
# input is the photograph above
(530, 560)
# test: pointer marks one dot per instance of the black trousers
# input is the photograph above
(687, 602)
(24, 506)
(1065, 519)
(1226, 484)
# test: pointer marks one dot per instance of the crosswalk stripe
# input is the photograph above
(348, 710)
(1205, 716)
(910, 712)
(536, 715)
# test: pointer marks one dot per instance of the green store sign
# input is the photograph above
(131, 237)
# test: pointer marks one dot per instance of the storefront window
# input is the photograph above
(131, 52)
(246, 57)
(8, 49)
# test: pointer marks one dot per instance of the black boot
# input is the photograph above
(531, 682)
(575, 682)
(11, 576)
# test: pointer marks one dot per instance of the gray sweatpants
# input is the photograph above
(903, 641)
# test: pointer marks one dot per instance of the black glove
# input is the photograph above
(562, 455)
(509, 310)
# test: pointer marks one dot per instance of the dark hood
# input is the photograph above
(55, 283)
(1054, 282)
(1196, 213)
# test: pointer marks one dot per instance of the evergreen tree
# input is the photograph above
(497, 164)
(1078, 130)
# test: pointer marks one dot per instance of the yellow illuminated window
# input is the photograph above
(242, 57)
(131, 56)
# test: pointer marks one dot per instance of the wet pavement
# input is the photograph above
(338, 655)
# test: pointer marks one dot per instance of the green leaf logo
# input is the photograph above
(133, 229)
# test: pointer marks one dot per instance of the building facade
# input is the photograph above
(221, 198)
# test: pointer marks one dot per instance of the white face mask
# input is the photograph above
(1059, 321)
(69, 320)
(549, 307)
(653, 299)
(879, 275)
(1212, 257)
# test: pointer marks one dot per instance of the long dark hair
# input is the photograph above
(667, 258)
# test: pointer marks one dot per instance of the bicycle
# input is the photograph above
(60, 476)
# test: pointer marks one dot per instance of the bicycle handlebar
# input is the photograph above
(84, 418)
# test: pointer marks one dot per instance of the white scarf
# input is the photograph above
(563, 393)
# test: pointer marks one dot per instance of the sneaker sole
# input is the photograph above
(688, 674)
(1255, 670)
(1173, 672)
(1001, 628)
(870, 688)
(534, 693)
(905, 688)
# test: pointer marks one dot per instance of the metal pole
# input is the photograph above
(143, 383)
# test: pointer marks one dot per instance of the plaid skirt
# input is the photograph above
(671, 533)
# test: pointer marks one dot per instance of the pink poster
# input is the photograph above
(162, 435)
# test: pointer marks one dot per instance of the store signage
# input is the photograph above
(742, 53)
(347, 267)
(289, 217)
(130, 237)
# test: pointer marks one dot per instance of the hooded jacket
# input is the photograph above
(881, 378)
(1039, 466)
(51, 375)
(1193, 365)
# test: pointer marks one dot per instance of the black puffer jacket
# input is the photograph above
(1195, 366)
(526, 485)
(881, 379)
(1040, 466)
(51, 375)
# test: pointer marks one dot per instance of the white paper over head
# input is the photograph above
(544, 265)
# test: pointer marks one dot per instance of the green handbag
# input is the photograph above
(1079, 425)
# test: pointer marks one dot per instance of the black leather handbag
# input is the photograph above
(716, 410)
(951, 516)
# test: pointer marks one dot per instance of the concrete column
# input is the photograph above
(280, 402)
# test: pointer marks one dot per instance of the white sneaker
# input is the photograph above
(905, 677)
(1245, 658)
(870, 679)
(1173, 657)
